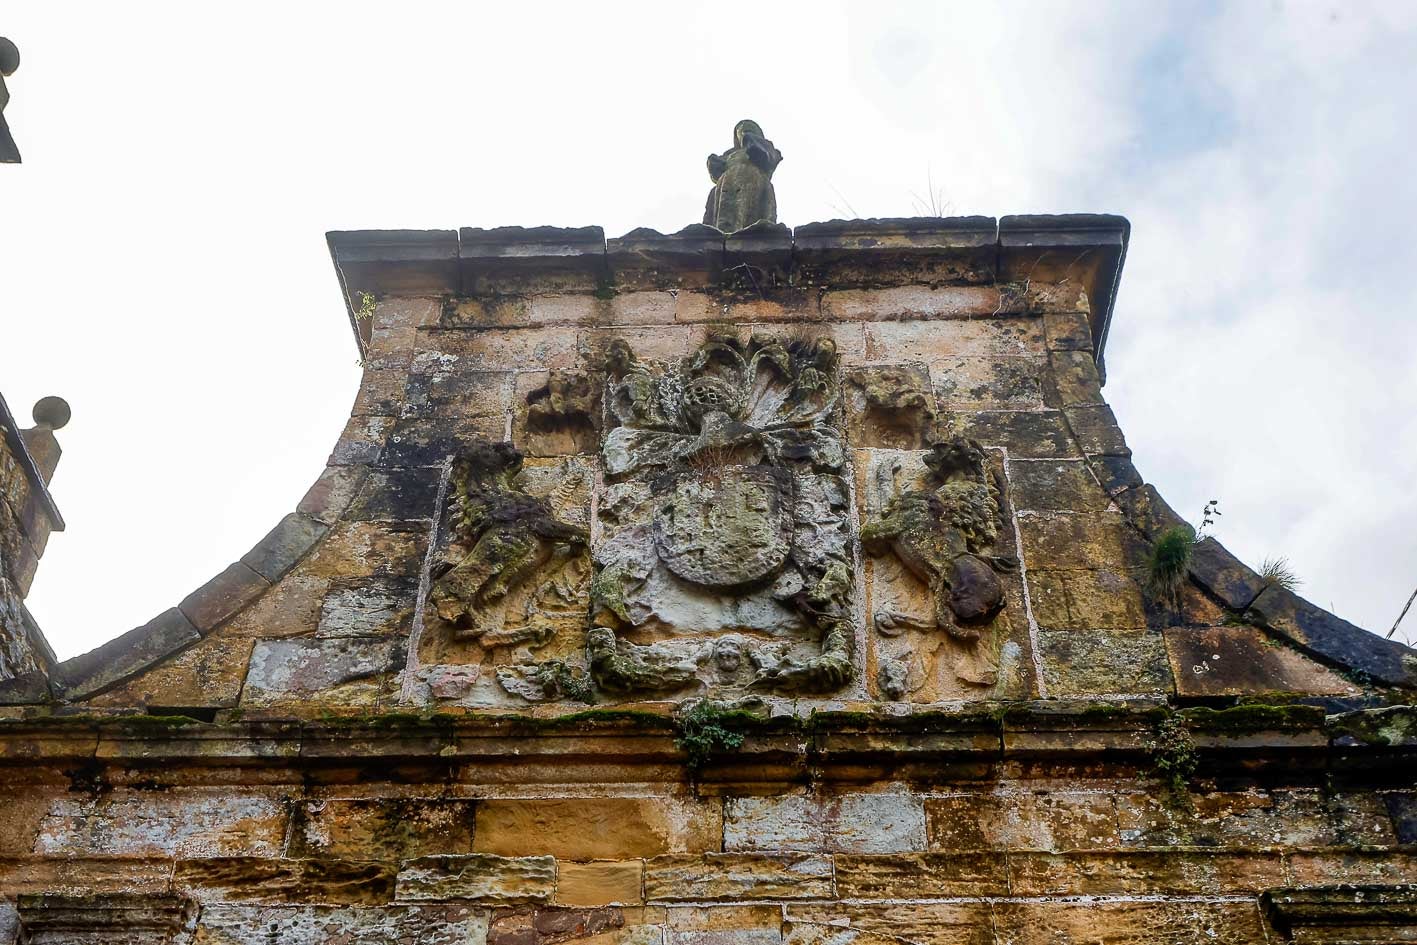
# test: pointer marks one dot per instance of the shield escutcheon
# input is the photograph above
(726, 528)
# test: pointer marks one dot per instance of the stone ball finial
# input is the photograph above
(9, 57)
(51, 412)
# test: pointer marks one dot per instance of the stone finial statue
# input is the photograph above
(9, 62)
(742, 177)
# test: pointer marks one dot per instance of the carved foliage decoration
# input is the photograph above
(725, 543)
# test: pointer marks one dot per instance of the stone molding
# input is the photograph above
(102, 919)
(634, 746)
(1332, 915)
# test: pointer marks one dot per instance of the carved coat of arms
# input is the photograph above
(725, 550)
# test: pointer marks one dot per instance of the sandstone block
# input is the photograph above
(658, 343)
(304, 881)
(854, 823)
(724, 925)
(365, 607)
(689, 878)
(478, 876)
(1071, 379)
(910, 302)
(1086, 599)
(328, 497)
(76, 875)
(283, 546)
(1002, 382)
(20, 819)
(505, 311)
(1096, 430)
(1056, 821)
(1026, 434)
(1103, 662)
(244, 924)
(924, 923)
(1175, 923)
(1087, 540)
(462, 392)
(362, 440)
(1055, 485)
(1237, 661)
(186, 822)
(168, 632)
(364, 549)
(381, 392)
(1067, 331)
(599, 883)
(475, 349)
(1321, 868)
(390, 829)
(547, 926)
(1168, 873)
(208, 673)
(407, 495)
(1304, 818)
(593, 828)
(932, 341)
(222, 596)
(1115, 474)
(302, 667)
(921, 875)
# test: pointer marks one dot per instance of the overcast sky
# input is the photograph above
(163, 264)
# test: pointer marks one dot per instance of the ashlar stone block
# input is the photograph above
(593, 828)
(855, 823)
(478, 876)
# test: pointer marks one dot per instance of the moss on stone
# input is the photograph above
(1252, 718)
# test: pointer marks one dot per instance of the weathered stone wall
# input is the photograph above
(811, 606)
(1047, 825)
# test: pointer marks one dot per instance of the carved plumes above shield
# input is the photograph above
(728, 529)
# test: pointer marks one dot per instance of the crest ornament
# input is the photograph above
(725, 515)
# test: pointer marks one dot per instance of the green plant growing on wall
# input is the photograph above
(1171, 557)
(366, 307)
(1173, 754)
(704, 730)
(1167, 566)
(1276, 572)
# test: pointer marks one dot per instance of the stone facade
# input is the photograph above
(776, 587)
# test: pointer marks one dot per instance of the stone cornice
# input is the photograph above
(1280, 741)
(1087, 248)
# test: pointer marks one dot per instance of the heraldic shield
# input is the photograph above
(729, 529)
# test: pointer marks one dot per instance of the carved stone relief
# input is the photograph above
(509, 586)
(724, 555)
(941, 573)
(890, 406)
(563, 415)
